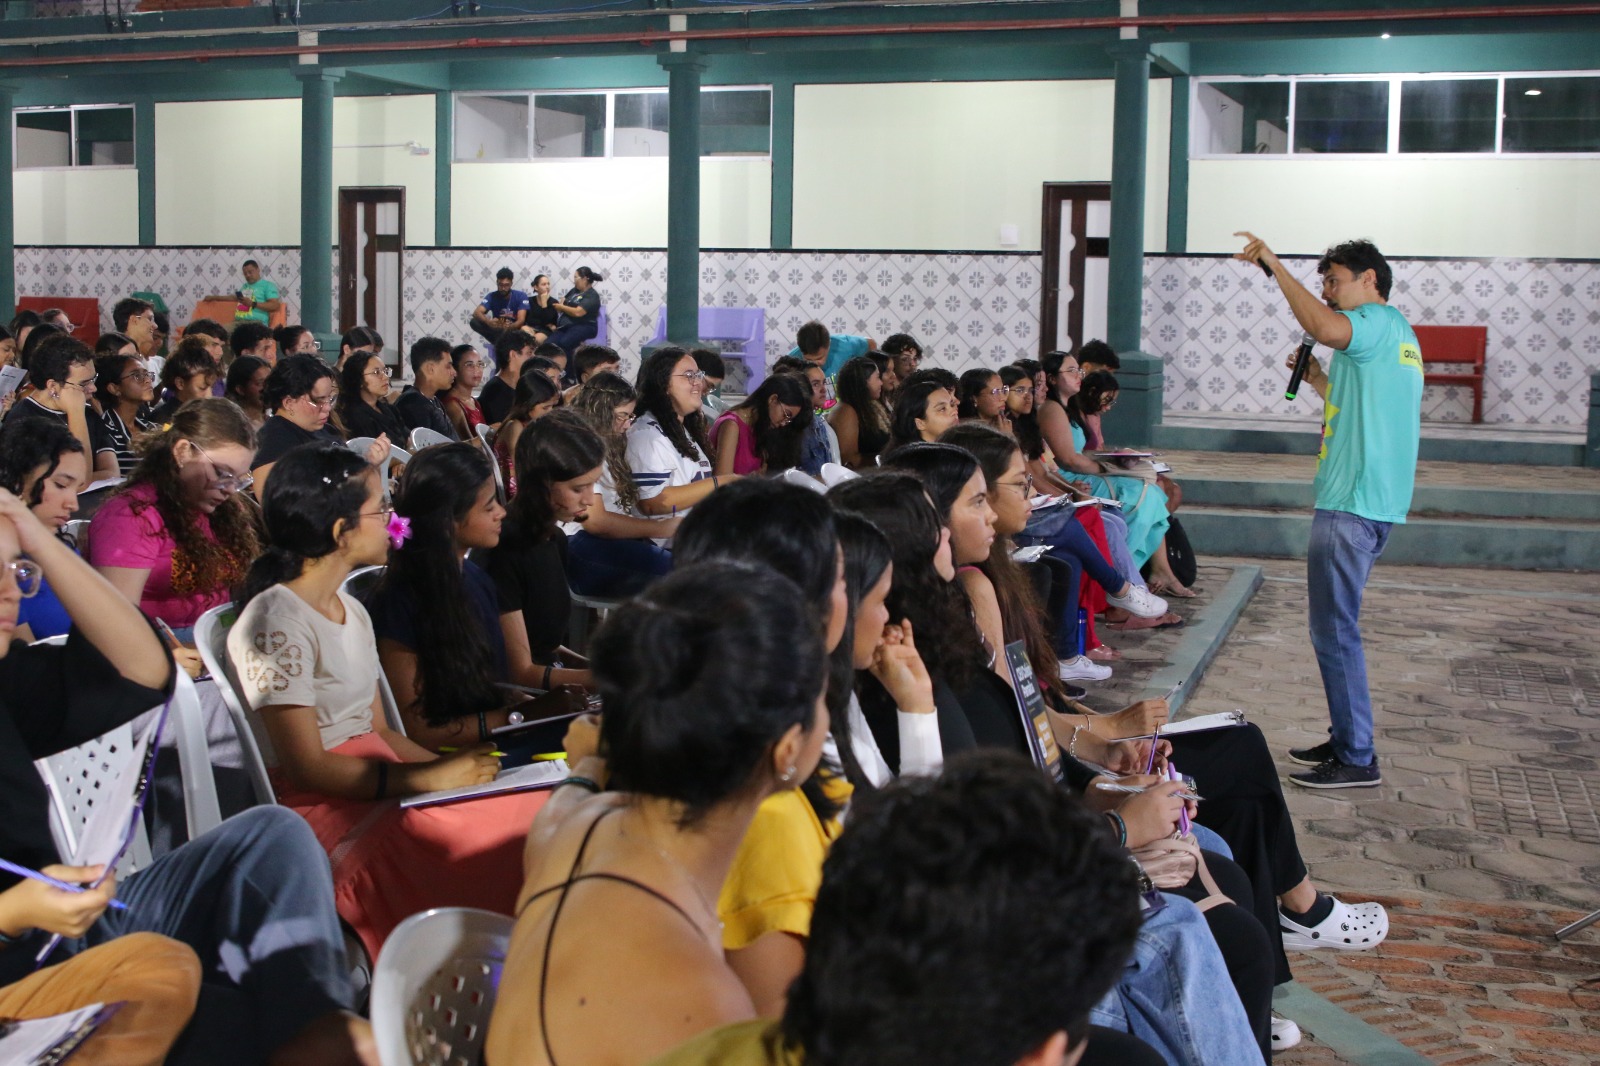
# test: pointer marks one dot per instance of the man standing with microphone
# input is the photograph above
(1371, 424)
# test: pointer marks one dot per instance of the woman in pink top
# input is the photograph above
(764, 433)
(178, 537)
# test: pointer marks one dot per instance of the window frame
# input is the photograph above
(72, 136)
(611, 116)
(1396, 82)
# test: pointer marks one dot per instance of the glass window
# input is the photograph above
(491, 128)
(91, 136)
(1552, 115)
(104, 136)
(1451, 115)
(1341, 116)
(1241, 118)
(44, 138)
(734, 122)
(569, 125)
(641, 125)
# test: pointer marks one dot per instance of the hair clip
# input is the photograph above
(399, 529)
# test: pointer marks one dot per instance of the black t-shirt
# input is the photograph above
(495, 400)
(99, 440)
(589, 301)
(361, 419)
(531, 576)
(394, 615)
(424, 412)
(543, 318)
(279, 436)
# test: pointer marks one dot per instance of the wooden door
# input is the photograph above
(372, 239)
(1076, 235)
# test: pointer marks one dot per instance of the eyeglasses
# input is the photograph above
(141, 376)
(1109, 404)
(384, 372)
(623, 421)
(1003, 390)
(321, 405)
(692, 376)
(85, 385)
(788, 416)
(1076, 371)
(473, 364)
(224, 478)
(382, 512)
(27, 574)
(1025, 486)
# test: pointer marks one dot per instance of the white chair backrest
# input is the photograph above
(78, 530)
(423, 437)
(186, 725)
(435, 985)
(485, 433)
(834, 474)
(796, 476)
(211, 638)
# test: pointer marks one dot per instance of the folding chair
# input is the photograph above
(423, 437)
(435, 986)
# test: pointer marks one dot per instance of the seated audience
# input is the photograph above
(252, 338)
(116, 344)
(715, 369)
(552, 364)
(534, 398)
(359, 339)
(981, 396)
(503, 309)
(713, 689)
(433, 374)
(923, 410)
(42, 464)
(592, 359)
(542, 312)
(1097, 396)
(247, 379)
(258, 298)
(579, 309)
(22, 323)
(296, 340)
(61, 371)
(1097, 356)
(188, 374)
(250, 898)
(967, 861)
(905, 352)
(459, 405)
(304, 652)
(124, 386)
(300, 393)
(763, 434)
(859, 418)
(511, 351)
(613, 555)
(212, 335)
(8, 347)
(558, 461)
(831, 352)
(666, 446)
(36, 337)
(363, 408)
(136, 319)
(820, 444)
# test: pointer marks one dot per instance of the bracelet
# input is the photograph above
(582, 782)
(483, 726)
(715, 484)
(6, 939)
(383, 781)
(1072, 746)
(1121, 826)
(547, 669)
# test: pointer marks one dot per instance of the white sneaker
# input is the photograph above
(1285, 1034)
(1350, 927)
(1083, 668)
(1140, 602)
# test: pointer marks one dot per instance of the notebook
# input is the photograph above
(48, 1041)
(530, 778)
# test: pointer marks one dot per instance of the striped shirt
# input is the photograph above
(657, 465)
(120, 438)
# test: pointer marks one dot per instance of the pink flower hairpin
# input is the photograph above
(399, 529)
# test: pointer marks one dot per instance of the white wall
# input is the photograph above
(228, 172)
(85, 206)
(617, 203)
(945, 164)
(1408, 206)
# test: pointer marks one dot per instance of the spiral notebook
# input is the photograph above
(52, 1040)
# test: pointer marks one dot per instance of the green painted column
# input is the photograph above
(684, 70)
(144, 157)
(782, 164)
(1125, 295)
(1178, 170)
(316, 197)
(8, 229)
(444, 150)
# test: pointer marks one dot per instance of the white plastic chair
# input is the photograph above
(796, 476)
(359, 584)
(211, 639)
(486, 434)
(423, 437)
(78, 530)
(835, 474)
(435, 985)
(397, 454)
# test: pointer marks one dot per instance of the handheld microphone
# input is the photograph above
(1302, 359)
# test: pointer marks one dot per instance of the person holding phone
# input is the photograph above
(501, 310)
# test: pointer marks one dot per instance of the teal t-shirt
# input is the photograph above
(262, 290)
(1372, 418)
(841, 349)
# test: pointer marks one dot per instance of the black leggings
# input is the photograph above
(1108, 1047)
(1245, 945)
(1244, 805)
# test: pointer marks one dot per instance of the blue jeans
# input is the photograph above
(1117, 541)
(1343, 549)
(575, 335)
(254, 899)
(613, 569)
(1175, 993)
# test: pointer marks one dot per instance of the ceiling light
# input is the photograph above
(1533, 92)
(1383, 36)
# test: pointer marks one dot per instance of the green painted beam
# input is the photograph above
(8, 227)
(782, 165)
(683, 196)
(144, 156)
(444, 152)
(1178, 170)
(316, 197)
(1125, 286)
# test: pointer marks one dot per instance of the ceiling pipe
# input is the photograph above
(649, 37)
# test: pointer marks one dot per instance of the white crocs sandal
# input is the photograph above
(1349, 927)
(1285, 1034)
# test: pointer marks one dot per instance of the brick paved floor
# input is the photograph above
(1482, 839)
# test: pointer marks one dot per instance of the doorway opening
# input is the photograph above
(372, 240)
(1076, 235)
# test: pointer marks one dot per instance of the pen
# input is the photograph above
(1135, 790)
(1183, 812)
(549, 756)
(23, 871)
(452, 751)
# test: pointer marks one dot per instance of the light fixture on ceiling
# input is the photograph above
(1533, 92)
(1383, 36)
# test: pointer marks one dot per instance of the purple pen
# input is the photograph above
(1183, 812)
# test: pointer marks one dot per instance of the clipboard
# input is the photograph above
(52, 1040)
(1030, 704)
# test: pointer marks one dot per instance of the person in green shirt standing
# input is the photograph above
(1371, 426)
(258, 297)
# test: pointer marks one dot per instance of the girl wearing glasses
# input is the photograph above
(299, 392)
(459, 405)
(982, 396)
(126, 388)
(763, 434)
(43, 465)
(667, 445)
(363, 408)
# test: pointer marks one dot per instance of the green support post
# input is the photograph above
(316, 197)
(782, 164)
(444, 151)
(1125, 288)
(684, 70)
(1178, 170)
(8, 229)
(144, 157)
(1591, 455)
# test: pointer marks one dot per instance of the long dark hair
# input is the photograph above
(779, 446)
(27, 444)
(558, 447)
(534, 387)
(655, 377)
(312, 488)
(1051, 364)
(779, 526)
(455, 675)
(852, 388)
(1026, 426)
(910, 404)
(943, 469)
(898, 505)
(199, 563)
(866, 556)
(598, 400)
(241, 370)
(701, 675)
(971, 385)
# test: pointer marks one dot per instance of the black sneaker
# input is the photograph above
(1312, 756)
(1074, 692)
(1335, 774)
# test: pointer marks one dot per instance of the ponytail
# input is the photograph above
(275, 566)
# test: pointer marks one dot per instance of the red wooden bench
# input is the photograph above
(1461, 346)
(84, 311)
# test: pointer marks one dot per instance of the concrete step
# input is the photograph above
(1518, 543)
(1477, 444)
(1428, 500)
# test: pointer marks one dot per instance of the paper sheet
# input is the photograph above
(30, 1042)
(10, 378)
(545, 774)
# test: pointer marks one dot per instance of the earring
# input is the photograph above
(787, 775)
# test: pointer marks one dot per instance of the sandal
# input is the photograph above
(1348, 927)
(1103, 654)
(1166, 621)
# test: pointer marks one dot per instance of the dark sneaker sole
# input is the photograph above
(1310, 756)
(1373, 783)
